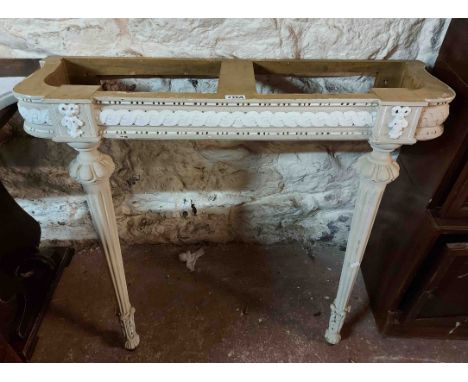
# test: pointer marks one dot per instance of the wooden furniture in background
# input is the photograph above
(28, 275)
(416, 263)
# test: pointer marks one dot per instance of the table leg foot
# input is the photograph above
(127, 321)
(332, 334)
(332, 338)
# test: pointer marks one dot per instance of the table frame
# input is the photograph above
(64, 101)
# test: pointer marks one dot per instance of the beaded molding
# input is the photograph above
(37, 132)
(247, 134)
(235, 103)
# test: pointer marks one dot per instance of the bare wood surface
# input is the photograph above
(395, 80)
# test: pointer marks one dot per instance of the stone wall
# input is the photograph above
(205, 191)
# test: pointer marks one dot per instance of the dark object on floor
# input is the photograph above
(35, 279)
(243, 303)
(7, 353)
(28, 276)
(416, 263)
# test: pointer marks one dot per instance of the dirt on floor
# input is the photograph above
(242, 303)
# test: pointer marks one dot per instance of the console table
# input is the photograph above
(66, 102)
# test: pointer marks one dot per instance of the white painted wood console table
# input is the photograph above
(65, 101)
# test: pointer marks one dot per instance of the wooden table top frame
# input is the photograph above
(65, 101)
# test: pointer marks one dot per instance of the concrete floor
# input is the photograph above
(243, 303)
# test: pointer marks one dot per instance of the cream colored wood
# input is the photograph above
(92, 169)
(63, 101)
(376, 170)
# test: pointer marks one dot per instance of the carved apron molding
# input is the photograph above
(198, 118)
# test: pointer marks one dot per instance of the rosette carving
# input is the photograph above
(398, 122)
(70, 120)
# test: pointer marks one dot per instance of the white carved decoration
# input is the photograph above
(153, 117)
(376, 170)
(34, 115)
(70, 120)
(398, 122)
(127, 323)
(92, 169)
(197, 118)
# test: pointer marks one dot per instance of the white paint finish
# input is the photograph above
(376, 170)
(391, 128)
(173, 85)
(270, 84)
(298, 190)
(35, 116)
(404, 39)
(61, 218)
(92, 169)
(252, 120)
(227, 104)
(244, 134)
(398, 122)
(196, 118)
(243, 38)
(70, 119)
(265, 84)
(222, 216)
(190, 258)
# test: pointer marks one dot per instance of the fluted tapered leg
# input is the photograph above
(376, 170)
(92, 169)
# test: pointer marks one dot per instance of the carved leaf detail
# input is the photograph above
(87, 171)
(35, 116)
